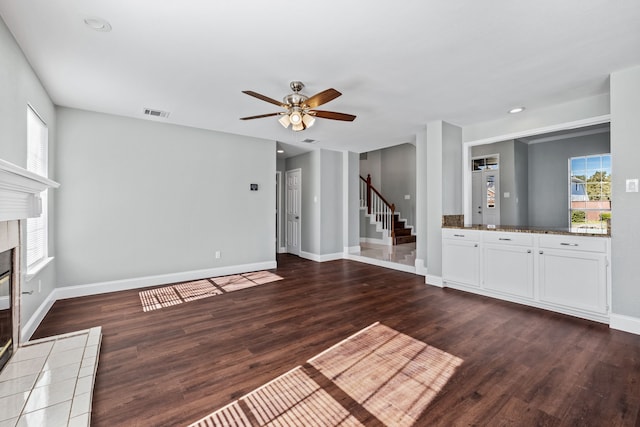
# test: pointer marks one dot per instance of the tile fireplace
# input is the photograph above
(19, 199)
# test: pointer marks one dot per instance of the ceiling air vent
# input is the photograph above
(155, 113)
(309, 141)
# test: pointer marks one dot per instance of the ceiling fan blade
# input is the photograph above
(333, 115)
(260, 116)
(322, 98)
(264, 98)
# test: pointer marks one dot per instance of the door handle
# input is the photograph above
(297, 217)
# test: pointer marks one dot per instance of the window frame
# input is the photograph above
(585, 182)
(37, 162)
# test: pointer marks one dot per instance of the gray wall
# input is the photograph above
(625, 154)
(398, 171)
(352, 198)
(331, 191)
(372, 165)
(548, 176)
(141, 198)
(521, 175)
(19, 86)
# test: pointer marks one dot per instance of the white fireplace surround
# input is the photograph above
(20, 199)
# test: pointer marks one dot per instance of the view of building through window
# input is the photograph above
(590, 190)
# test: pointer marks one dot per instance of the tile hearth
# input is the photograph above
(49, 382)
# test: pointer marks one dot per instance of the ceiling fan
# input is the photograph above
(300, 110)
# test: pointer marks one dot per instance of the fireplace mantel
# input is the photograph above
(20, 192)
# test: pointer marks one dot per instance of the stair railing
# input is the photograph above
(377, 205)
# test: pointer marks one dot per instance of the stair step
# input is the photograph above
(402, 232)
(404, 239)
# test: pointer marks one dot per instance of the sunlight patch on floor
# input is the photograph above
(179, 293)
(378, 375)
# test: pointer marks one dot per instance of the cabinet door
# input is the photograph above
(508, 269)
(461, 262)
(573, 279)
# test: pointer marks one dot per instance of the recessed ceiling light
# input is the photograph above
(97, 24)
(516, 110)
(280, 151)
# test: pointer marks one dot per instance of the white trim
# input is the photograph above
(421, 269)
(37, 317)
(321, 258)
(279, 210)
(66, 292)
(381, 263)
(383, 241)
(282, 250)
(432, 280)
(351, 249)
(466, 152)
(37, 267)
(624, 323)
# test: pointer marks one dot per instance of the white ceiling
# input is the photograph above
(398, 63)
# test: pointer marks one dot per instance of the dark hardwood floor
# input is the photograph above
(522, 366)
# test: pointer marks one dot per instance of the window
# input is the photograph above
(590, 193)
(37, 159)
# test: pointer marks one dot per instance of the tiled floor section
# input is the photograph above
(402, 254)
(49, 382)
(167, 296)
(389, 375)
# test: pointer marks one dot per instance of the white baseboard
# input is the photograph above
(321, 258)
(421, 269)
(384, 241)
(352, 249)
(624, 323)
(282, 250)
(381, 263)
(432, 280)
(30, 326)
(66, 292)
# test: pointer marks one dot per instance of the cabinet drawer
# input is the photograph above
(587, 244)
(461, 234)
(521, 239)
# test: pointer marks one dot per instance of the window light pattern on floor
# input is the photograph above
(167, 296)
(378, 376)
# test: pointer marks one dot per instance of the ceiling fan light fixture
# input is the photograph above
(297, 126)
(284, 121)
(295, 117)
(308, 120)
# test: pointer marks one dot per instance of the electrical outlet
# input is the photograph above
(217, 254)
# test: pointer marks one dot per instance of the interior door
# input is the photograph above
(294, 203)
(490, 197)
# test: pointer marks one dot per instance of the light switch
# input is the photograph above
(407, 196)
(632, 185)
(507, 194)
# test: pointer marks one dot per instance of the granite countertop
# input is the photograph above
(528, 229)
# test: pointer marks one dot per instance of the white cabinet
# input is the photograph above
(574, 276)
(461, 257)
(508, 269)
(568, 274)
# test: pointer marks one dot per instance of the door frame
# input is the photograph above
(279, 206)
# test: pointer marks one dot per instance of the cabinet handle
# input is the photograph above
(458, 235)
(541, 252)
(504, 238)
(568, 244)
(475, 246)
(528, 251)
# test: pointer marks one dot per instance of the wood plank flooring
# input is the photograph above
(521, 366)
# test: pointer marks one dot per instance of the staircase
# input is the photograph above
(402, 234)
(383, 213)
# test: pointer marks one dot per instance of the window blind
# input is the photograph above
(37, 159)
